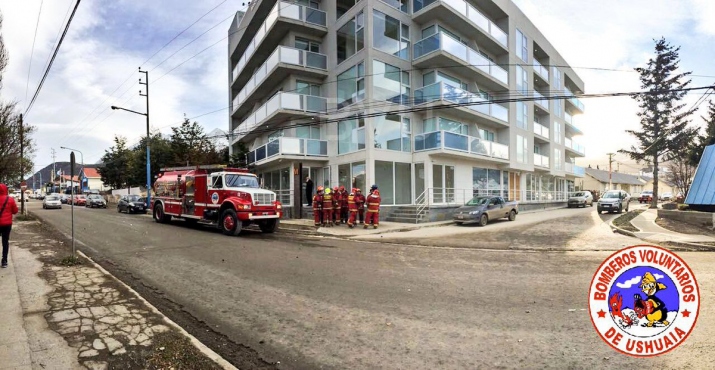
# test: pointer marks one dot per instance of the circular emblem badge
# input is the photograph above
(644, 301)
(214, 198)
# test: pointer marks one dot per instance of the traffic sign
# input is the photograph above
(23, 185)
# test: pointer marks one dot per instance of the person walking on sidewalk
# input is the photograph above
(318, 207)
(373, 208)
(360, 203)
(8, 207)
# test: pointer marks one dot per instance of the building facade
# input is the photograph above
(432, 100)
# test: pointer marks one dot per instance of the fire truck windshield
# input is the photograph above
(241, 181)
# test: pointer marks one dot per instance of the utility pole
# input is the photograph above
(54, 173)
(610, 170)
(22, 168)
(148, 138)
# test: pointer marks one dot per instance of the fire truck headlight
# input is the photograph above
(279, 206)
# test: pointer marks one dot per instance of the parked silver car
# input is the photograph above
(614, 201)
(581, 199)
(51, 201)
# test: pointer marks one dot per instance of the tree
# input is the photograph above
(11, 164)
(190, 144)
(238, 159)
(681, 174)
(117, 164)
(663, 124)
(4, 58)
(708, 138)
(162, 155)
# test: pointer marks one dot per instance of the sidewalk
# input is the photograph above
(650, 231)
(14, 344)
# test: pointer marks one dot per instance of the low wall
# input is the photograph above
(691, 217)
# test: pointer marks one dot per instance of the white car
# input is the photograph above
(52, 201)
(666, 196)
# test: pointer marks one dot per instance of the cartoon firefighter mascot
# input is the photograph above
(652, 308)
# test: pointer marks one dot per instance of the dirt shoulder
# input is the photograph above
(624, 222)
(683, 227)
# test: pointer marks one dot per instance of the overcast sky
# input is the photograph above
(108, 40)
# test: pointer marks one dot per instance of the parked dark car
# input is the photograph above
(65, 198)
(484, 209)
(131, 204)
(96, 200)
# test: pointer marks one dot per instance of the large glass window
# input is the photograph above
(351, 85)
(351, 38)
(487, 181)
(402, 5)
(557, 132)
(432, 77)
(392, 132)
(307, 88)
(431, 30)
(486, 135)
(275, 135)
(390, 36)
(557, 79)
(444, 124)
(351, 135)
(557, 159)
(307, 45)
(522, 46)
(395, 182)
(521, 115)
(390, 84)
(344, 5)
(521, 149)
(559, 108)
(358, 179)
(384, 171)
(522, 80)
(308, 132)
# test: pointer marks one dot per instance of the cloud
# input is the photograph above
(629, 283)
(658, 276)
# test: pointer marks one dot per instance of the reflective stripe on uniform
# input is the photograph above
(373, 204)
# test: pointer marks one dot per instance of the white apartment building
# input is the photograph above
(432, 100)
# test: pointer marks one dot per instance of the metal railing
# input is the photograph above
(282, 9)
(540, 100)
(285, 55)
(574, 146)
(463, 143)
(541, 160)
(442, 91)
(541, 130)
(281, 101)
(574, 100)
(443, 42)
(468, 11)
(541, 70)
(574, 169)
(451, 197)
(289, 146)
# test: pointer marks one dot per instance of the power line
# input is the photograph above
(32, 52)
(54, 55)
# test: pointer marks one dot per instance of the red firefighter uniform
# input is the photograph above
(336, 205)
(360, 203)
(318, 207)
(327, 208)
(344, 205)
(373, 209)
(352, 209)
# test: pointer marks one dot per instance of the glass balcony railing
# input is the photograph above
(574, 169)
(541, 160)
(540, 100)
(463, 143)
(285, 55)
(574, 100)
(442, 91)
(282, 101)
(282, 9)
(574, 146)
(442, 42)
(541, 130)
(541, 70)
(467, 10)
(289, 146)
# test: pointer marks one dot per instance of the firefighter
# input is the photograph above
(373, 208)
(352, 208)
(327, 208)
(318, 207)
(336, 205)
(360, 203)
(344, 205)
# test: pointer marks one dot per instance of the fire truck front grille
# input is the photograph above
(263, 199)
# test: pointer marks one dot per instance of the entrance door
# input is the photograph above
(419, 180)
(443, 183)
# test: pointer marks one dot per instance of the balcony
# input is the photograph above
(283, 18)
(464, 17)
(574, 147)
(540, 100)
(575, 170)
(280, 107)
(463, 145)
(571, 124)
(281, 63)
(441, 49)
(541, 130)
(541, 70)
(541, 160)
(575, 102)
(463, 103)
(289, 146)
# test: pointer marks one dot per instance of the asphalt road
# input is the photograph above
(508, 298)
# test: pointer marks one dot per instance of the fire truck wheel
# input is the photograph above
(230, 224)
(268, 226)
(159, 215)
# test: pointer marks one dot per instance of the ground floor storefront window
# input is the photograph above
(490, 182)
(279, 182)
(546, 188)
(352, 175)
(394, 182)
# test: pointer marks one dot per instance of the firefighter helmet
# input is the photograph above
(373, 187)
(357, 190)
(335, 188)
(320, 188)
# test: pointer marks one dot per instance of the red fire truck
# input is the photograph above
(227, 198)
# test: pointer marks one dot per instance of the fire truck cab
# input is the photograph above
(227, 198)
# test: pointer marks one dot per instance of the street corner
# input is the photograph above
(103, 323)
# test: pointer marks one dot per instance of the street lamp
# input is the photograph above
(148, 139)
(81, 158)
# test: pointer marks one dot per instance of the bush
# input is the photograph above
(683, 207)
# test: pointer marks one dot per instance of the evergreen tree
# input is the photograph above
(162, 155)
(663, 123)
(116, 170)
(190, 144)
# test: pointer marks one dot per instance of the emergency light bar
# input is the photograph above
(201, 167)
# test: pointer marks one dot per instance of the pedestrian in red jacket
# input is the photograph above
(8, 207)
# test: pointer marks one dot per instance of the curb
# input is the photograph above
(617, 229)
